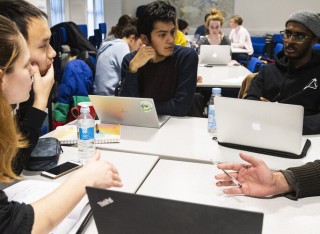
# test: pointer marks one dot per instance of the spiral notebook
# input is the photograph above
(104, 133)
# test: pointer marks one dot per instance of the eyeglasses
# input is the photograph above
(295, 37)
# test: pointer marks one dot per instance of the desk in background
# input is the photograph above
(222, 76)
(194, 182)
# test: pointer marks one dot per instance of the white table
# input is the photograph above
(187, 139)
(230, 76)
(133, 169)
(194, 182)
(236, 50)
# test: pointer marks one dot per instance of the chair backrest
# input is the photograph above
(277, 39)
(254, 64)
(278, 47)
(103, 28)
(84, 29)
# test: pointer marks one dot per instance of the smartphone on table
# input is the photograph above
(61, 169)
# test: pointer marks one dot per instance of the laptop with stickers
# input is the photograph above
(127, 111)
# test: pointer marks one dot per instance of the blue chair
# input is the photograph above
(277, 38)
(259, 45)
(98, 37)
(103, 29)
(254, 64)
(278, 48)
(316, 47)
(84, 29)
(63, 35)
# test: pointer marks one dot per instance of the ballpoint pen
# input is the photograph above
(234, 180)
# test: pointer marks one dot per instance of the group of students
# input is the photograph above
(210, 33)
(159, 69)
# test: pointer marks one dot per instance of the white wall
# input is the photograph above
(260, 16)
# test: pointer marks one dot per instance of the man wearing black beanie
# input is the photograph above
(294, 78)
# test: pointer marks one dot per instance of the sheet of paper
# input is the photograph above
(234, 80)
(28, 191)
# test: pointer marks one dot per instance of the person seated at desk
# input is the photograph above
(41, 216)
(116, 31)
(159, 69)
(110, 56)
(202, 30)
(294, 78)
(240, 38)
(214, 34)
(183, 26)
(258, 180)
(33, 25)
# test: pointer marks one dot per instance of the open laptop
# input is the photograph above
(117, 212)
(127, 111)
(215, 54)
(260, 125)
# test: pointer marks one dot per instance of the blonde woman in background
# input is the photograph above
(214, 34)
(16, 74)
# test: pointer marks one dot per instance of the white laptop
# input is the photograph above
(127, 111)
(262, 125)
(215, 54)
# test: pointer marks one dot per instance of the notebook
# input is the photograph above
(104, 133)
(215, 54)
(127, 111)
(117, 212)
(262, 127)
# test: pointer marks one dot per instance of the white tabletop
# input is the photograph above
(194, 182)
(133, 169)
(187, 139)
(236, 50)
(230, 76)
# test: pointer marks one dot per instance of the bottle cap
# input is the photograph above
(84, 110)
(216, 90)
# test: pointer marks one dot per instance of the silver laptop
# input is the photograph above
(259, 124)
(215, 54)
(127, 111)
(117, 212)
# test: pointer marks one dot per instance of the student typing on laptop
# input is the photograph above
(294, 78)
(159, 69)
(258, 180)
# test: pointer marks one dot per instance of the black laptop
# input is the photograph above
(117, 212)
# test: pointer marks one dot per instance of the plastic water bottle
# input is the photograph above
(85, 127)
(212, 126)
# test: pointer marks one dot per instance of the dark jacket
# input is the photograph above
(280, 83)
(171, 82)
(15, 217)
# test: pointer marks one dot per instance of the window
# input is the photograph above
(95, 14)
(57, 11)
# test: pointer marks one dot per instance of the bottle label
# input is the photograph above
(211, 117)
(86, 133)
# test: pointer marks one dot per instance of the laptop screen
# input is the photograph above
(118, 212)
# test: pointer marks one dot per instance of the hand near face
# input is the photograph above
(144, 54)
(42, 87)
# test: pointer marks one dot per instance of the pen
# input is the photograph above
(231, 177)
(84, 222)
